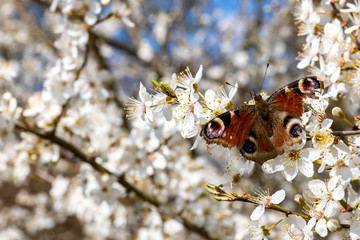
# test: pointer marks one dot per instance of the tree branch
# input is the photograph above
(346, 133)
(120, 179)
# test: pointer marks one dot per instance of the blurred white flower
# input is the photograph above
(352, 7)
(92, 15)
(7, 71)
(91, 87)
(123, 12)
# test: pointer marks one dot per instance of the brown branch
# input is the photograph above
(346, 133)
(120, 179)
(65, 106)
(88, 159)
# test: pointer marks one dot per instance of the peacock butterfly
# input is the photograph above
(261, 131)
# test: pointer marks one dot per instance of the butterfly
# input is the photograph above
(261, 131)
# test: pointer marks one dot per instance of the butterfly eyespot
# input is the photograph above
(249, 146)
(215, 128)
(295, 131)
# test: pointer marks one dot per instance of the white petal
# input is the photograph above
(303, 63)
(267, 167)
(277, 164)
(233, 91)
(332, 182)
(198, 74)
(196, 143)
(278, 197)
(351, 29)
(307, 168)
(331, 209)
(311, 223)
(257, 213)
(321, 228)
(210, 95)
(149, 114)
(142, 89)
(338, 193)
(317, 187)
(290, 172)
(327, 123)
(299, 221)
(311, 154)
(355, 230)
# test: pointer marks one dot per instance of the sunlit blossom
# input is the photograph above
(264, 199)
(141, 108)
(327, 195)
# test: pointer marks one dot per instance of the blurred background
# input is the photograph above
(233, 40)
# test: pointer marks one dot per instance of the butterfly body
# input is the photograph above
(261, 131)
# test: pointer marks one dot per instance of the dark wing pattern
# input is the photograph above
(231, 128)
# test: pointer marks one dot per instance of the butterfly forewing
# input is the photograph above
(231, 128)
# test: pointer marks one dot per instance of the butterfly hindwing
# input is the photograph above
(288, 108)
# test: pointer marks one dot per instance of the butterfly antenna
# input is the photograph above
(267, 66)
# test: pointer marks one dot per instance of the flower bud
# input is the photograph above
(333, 225)
(338, 113)
(299, 199)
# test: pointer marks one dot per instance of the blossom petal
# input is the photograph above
(355, 230)
(307, 168)
(331, 209)
(290, 172)
(257, 213)
(332, 182)
(321, 228)
(317, 187)
(338, 193)
(278, 197)
(198, 74)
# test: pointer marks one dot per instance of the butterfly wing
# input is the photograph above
(287, 104)
(258, 146)
(290, 97)
(262, 130)
(231, 128)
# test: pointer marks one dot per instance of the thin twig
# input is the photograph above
(346, 133)
(65, 106)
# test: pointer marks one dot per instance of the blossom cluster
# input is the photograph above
(74, 164)
(331, 53)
